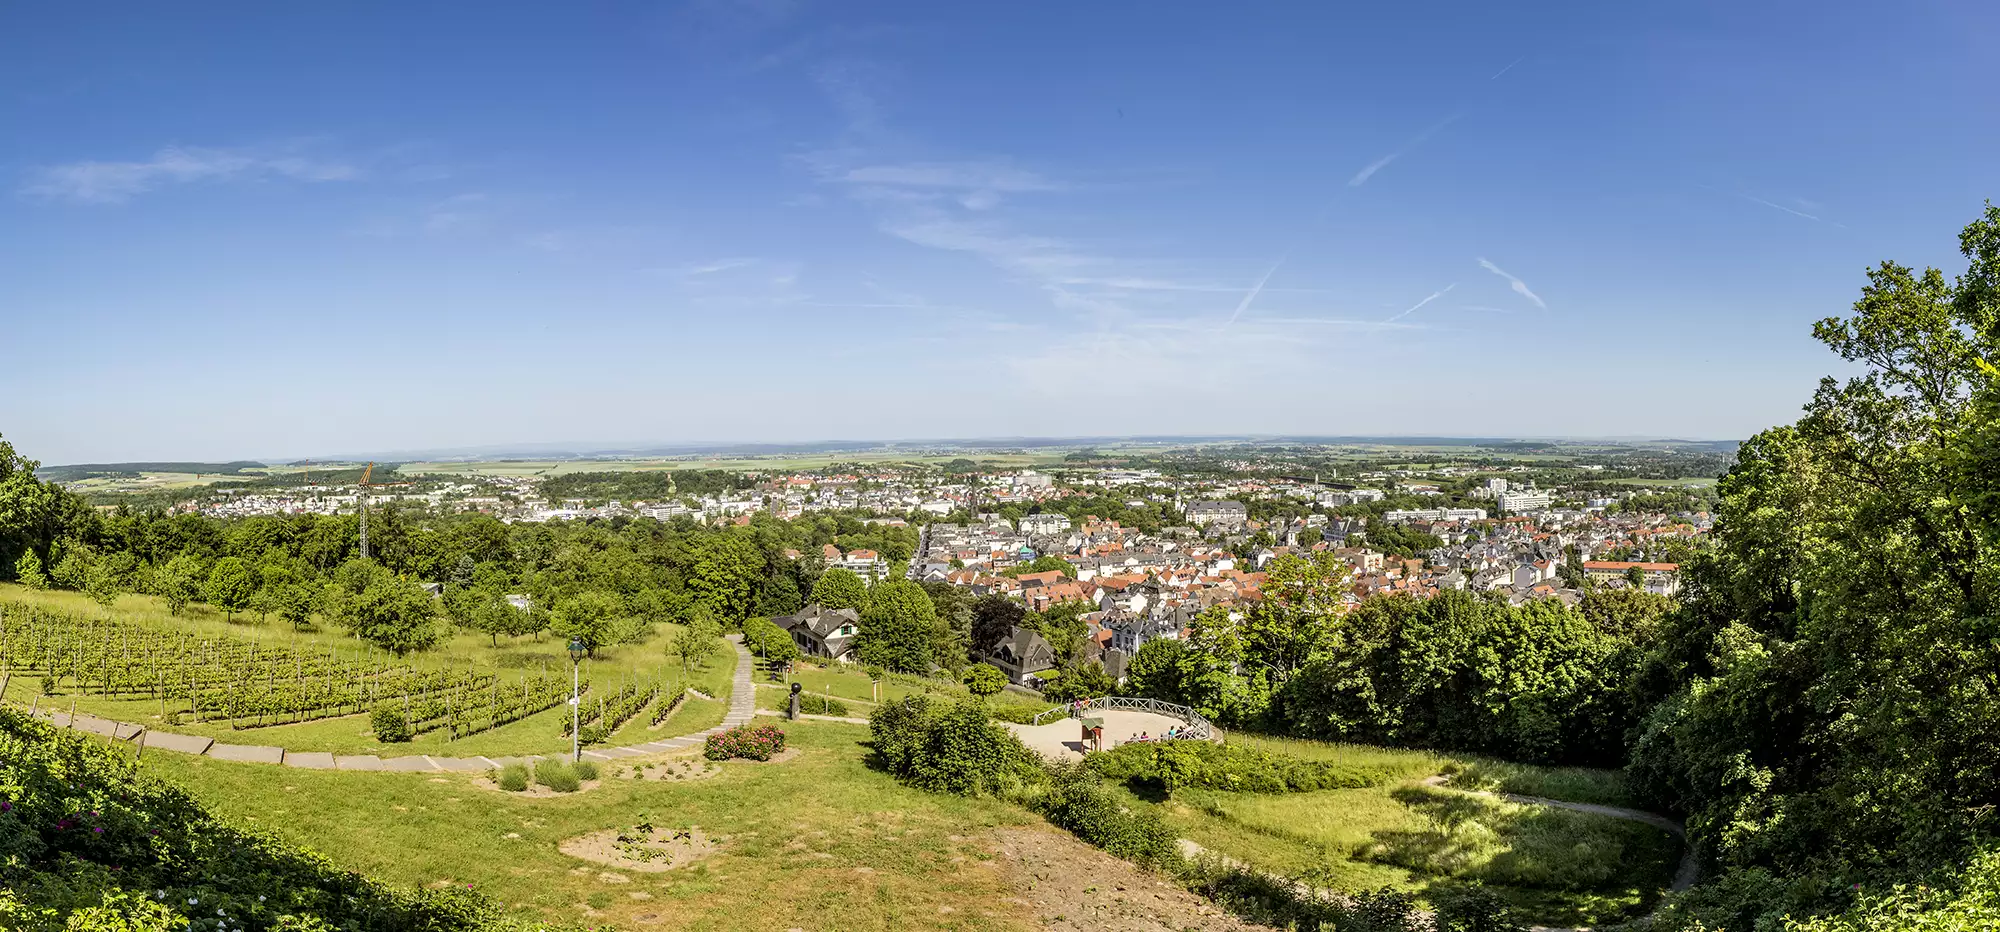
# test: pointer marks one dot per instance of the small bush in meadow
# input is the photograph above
(758, 743)
(949, 747)
(389, 724)
(557, 775)
(513, 778)
(821, 705)
(585, 770)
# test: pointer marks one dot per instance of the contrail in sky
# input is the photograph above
(1244, 304)
(1510, 67)
(1520, 287)
(1413, 308)
(1361, 177)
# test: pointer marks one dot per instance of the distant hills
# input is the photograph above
(628, 450)
(80, 471)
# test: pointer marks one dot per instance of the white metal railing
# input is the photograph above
(1198, 728)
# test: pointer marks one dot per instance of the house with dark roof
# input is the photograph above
(822, 632)
(1021, 655)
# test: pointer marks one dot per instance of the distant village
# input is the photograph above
(1515, 539)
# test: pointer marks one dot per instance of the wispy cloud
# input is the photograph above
(96, 182)
(1368, 171)
(1520, 287)
(1255, 290)
(1414, 307)
(1125, 326)
(1345, 322)
(460, 213)
(1796, 213)
(974, 185)
(719, 265)
(1809, 205)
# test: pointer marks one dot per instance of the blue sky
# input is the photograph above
(268, 230)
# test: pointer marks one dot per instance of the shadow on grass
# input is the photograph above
(1554, 862)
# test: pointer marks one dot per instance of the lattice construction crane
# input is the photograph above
(365, 486)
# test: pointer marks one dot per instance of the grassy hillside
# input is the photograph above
(817, 842)
(511, 660)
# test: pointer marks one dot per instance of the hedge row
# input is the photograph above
(1176, 764)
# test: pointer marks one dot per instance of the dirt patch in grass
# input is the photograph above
(651, 850)
(667, 771)
(534, 790)
(1073, 887)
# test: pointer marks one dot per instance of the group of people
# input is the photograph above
(1175, 733)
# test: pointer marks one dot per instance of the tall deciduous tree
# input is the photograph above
(588, 617)
(840, 588)
(1156, 669)
(899, 628)
(29, 571)
(701, 639)
(1299, 615)
(994, 616)
(382, 608)
(103, 584)
(230, 586)
(1831, 684)
(178, 581)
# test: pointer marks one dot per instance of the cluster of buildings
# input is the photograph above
(1140, 587)
(1136, 586)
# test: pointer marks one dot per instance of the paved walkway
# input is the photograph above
(1062, 739)
(742, 706)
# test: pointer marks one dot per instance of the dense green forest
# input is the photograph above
(644, 486)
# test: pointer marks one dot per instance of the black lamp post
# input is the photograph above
(576, 652)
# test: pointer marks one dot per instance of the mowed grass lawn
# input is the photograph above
(820, 842)
(511, 660)
(850, 684)
(1558, 867)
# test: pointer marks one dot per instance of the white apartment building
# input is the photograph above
(1045, 523)
(1525, 500)
(1434, 514)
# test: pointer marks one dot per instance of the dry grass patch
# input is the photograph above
(642, 847)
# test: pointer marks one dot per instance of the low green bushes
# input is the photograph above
(953, 747)
(389, 723)
(810, 704)
(948, 747)
(1017, 712)
(87, 843)
(1283, 902)
(557, 775)
(585, 770)
(513, 778)
(1173, 764)
(1075, 798)
(751, 743)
